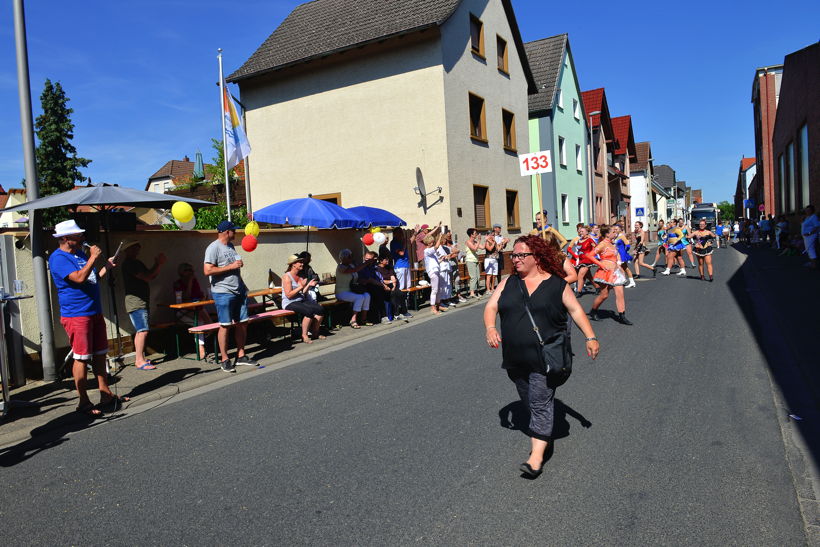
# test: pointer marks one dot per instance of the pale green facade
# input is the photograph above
(565, 190)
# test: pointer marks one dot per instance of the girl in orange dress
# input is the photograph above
(609, 275)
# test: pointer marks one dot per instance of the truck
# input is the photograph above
(705, 211)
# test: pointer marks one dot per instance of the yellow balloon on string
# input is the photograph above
(252, 228)
(183, 212)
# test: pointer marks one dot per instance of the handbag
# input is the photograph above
(556, 353)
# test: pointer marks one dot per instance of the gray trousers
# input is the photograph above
(475, 275)
(539, 399)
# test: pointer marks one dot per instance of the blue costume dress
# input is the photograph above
(622, 250)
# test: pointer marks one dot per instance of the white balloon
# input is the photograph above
(186, 225)
(379, 238)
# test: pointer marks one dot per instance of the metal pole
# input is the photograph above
(224, 109)
(33, 192)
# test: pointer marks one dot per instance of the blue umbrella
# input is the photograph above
(373, 216)
(308, 212)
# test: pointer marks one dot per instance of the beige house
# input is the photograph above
(418, 107)
(15, 196)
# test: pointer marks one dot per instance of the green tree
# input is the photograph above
(207, 218)
(217, 168)
(727, 210)
(58, 166)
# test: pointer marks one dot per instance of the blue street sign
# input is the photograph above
(748, 203)
(639, 212)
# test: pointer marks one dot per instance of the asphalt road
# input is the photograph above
(669, 438)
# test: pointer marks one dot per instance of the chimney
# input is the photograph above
(186, 158)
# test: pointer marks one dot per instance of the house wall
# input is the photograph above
(639, 191)
(601, 200)
(472, 162)
(765, 97)
(360, 124)
(571, 178)
(7, 220)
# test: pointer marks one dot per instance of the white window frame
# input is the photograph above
(581, 209)
(562, 150)
(565, 208)
(157, 188)
(576, 111)
(579, 159)
(560, 98)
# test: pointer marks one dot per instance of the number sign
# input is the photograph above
(539, 162)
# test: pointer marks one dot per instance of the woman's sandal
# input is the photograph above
(307, 340)
(355, 325)
(113, 402)
(89, 410)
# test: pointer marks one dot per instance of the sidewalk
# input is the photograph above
(47, 412)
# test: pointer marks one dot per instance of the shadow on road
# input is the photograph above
(516, 416)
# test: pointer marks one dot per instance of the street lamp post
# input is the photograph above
(591, 182)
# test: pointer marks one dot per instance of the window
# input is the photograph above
(803, 152)
(508, 120)
(564, 209)
(512, 210)
(477, 36)
(580, 209)
(166, 186)
(481, 206)
(562, 151)
(781, 175)
(478, 118)
(579, 159)
(335, 198)
(560, 99)
(790, 176)
(576, 109)
(156, 188)
(501, 51)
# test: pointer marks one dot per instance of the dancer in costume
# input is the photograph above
(609, 275)
(661, 245)
(638, 237)
(703, 248)
(584, 244)
(687, 243)
(622, 245)
(674, 249)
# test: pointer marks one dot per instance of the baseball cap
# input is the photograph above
(496, 225)
(225, 225)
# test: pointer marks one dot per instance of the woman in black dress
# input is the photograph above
(538, 270)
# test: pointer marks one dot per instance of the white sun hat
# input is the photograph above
(67, 228)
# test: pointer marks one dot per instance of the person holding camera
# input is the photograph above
(296, 288)
(349, 289)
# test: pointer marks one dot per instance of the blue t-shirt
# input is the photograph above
(399, 261)
(719, 230)
(765, 225)
(76, 299)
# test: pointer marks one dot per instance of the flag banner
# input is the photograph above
(236, 142)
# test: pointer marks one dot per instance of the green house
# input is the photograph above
(557, 122)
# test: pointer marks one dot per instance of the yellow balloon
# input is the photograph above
(375, 230)
(252, 228)
(182, 211)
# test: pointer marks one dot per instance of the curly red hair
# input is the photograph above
(549, 258)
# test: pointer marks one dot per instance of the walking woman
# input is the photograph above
(687, 243)
(638, 239)
(295, 289)
(471, 260)
(703, 248)
(674, 249)
(661, 245)
(584, 244)
(538, 272)
(609, 275)
(622, 245)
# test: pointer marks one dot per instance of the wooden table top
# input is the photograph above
(202, 303)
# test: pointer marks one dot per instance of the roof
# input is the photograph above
(644, 153)
(17, 190)
(4, 197)
(622, 126)
(745, 163)
(595, 101)
(320, 28)
(175, 170)
(546, 59)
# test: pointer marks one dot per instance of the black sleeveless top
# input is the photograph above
(519, 344)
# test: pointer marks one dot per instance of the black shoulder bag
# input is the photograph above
(556, 353)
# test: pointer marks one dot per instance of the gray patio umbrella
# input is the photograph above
(105, 197)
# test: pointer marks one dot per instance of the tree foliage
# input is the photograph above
(58, 166)
(727, 210)
(217, 168)
(208, 218)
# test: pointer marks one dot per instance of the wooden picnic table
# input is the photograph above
(264, 293)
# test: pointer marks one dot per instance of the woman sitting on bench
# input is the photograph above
(295, 289)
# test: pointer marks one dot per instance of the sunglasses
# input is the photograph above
(520, 256)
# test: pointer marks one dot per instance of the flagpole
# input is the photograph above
(224, 142)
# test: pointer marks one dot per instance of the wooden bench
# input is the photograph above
(414, 294)
(272, 315)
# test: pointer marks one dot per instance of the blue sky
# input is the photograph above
(141, 75)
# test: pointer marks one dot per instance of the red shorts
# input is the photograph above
(86, 335)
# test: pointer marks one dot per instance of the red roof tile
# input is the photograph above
(745, 163)
(593, 102)
(4, 197)
(622, 125)
(644, 152)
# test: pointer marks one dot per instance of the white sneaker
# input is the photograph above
(630, 284)
(386, 320)
(665, 272)
(682, 272)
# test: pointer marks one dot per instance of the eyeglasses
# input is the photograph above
(520, 256)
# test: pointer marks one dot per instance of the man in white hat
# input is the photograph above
(78, 292)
